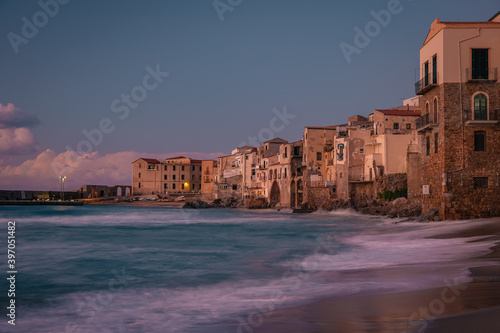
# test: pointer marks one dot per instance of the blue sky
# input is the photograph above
(225, 76)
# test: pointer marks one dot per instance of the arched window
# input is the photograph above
(480, 107)
(435, 110)
(427, 108)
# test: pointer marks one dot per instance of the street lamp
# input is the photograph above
(62, 178)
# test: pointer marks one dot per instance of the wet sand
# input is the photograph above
(473, 307)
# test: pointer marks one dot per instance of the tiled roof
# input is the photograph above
(149, 160)
(392, 112)
(175, 158)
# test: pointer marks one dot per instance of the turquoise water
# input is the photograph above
(142, 269)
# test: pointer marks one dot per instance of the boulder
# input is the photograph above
(197, 204)
(257, 203)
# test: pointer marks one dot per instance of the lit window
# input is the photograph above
(408, 126)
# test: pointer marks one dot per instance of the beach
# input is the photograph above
(470, 307)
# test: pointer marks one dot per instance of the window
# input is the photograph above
(246, 157)
(480, 64)
(285, 172)
(182, 168)
(435, 110)
(361, 150)
(296, 150)
(480, 141)
(426, 74)
(193, 167)
(396, 126)
(434, 70)
(408, 126)
(139, 185)
(165, 168)
(480, 182)
(480, 107)
(140, 165)
(427, 108)
(139, 175)
(165, 177)
(318, 156)
(192, 186)
(182, 186)
(235, 187)
(173, 167)
(192, 177)
(436, 142)
(286, 152)
(182, 177)
(173, 186)
(428, 145)
(173, 177)
(164, 186)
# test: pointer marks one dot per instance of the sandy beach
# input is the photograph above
(471, 307)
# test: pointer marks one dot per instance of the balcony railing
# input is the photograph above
(427, 121)
(491, 74)
(428, 82)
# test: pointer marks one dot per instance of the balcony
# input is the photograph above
(490, 74)
(427, 83)
(426, 122)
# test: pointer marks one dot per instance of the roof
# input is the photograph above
(437, 26)
(175, 158)
(276, 140)
(332, 127)
(148, 160)
(495, 16)
(396, 112)
(195, 161)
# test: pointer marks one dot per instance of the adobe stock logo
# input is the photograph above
(29, 29)
(372, 29)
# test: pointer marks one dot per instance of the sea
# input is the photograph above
(128, 269)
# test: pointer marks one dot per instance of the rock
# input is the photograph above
(257, 203)
(431, 215)
(197, 204)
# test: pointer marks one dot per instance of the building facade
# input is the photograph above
(172, 176)
(459, 133)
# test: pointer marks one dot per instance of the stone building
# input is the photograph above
(208, 170)
(103, 191)
(175, 175)
(458, 168)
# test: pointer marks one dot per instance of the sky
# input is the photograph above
(86, 87)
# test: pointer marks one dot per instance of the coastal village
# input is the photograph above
(440, 149)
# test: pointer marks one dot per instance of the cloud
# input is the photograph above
(42, 173)
(15, 136)
(12, 117)
(17, 141)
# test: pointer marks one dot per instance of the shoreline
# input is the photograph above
(470, 307)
